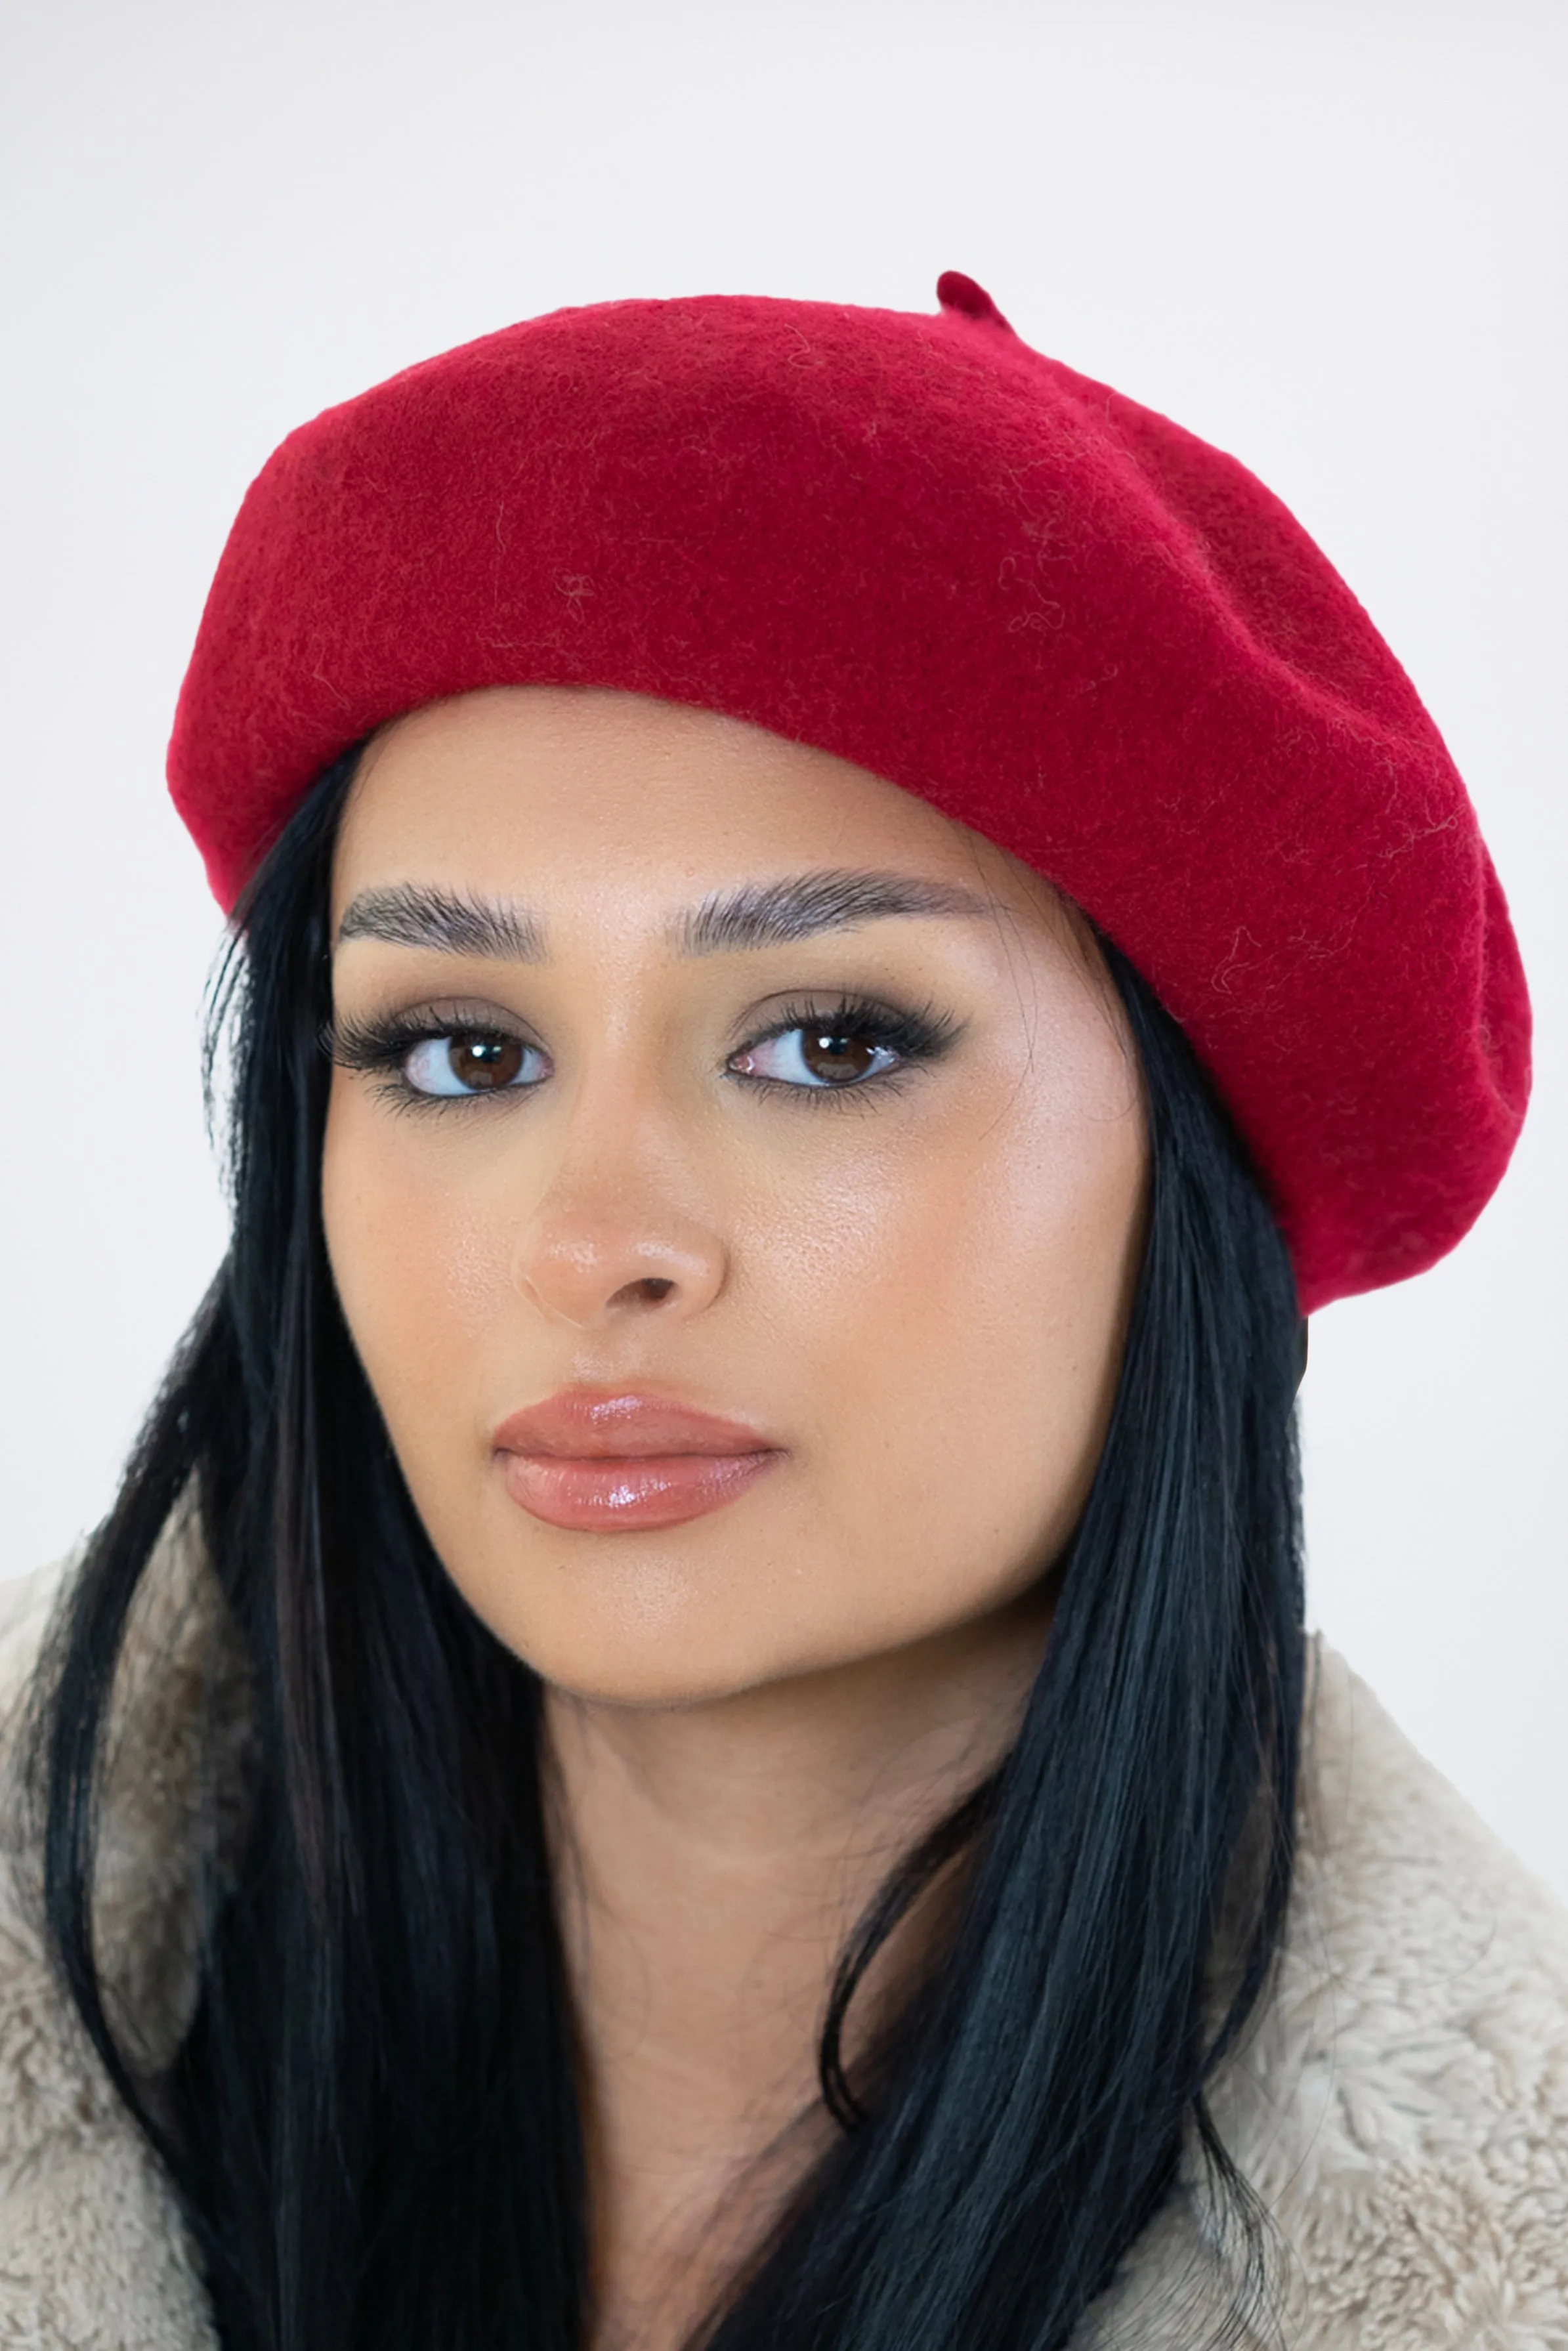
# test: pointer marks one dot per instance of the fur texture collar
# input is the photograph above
(1401, 2106)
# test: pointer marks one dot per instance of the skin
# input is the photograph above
(915, 1288)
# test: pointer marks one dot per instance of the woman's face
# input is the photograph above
(733, 1182)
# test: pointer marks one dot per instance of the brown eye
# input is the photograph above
(838, 1061)
(472, 1061)
(484, 1062)
(815, 1056)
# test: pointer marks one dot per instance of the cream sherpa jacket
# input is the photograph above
(1401, 2107)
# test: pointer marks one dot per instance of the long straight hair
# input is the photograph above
(371, 2120)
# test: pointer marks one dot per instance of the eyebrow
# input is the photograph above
(776, 913)
(754, 914)
(452, 922)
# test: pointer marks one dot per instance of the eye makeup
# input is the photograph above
(847, 1042)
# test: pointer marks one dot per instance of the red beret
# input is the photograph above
(917, 543)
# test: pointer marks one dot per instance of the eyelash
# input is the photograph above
(915, 1037)
(381, 1048)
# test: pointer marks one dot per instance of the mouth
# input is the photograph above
(604, 1464)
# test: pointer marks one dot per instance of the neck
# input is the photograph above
(712, 1860)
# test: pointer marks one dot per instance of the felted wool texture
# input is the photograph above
(917, 543)
(1400, 2107)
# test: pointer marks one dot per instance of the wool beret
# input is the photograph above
(916, 542)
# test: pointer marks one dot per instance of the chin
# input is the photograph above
(653, 1674)
(647, 1633)
(684, 1617)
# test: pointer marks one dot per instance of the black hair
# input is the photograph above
(371, 2120)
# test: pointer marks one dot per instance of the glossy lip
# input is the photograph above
(599, 1463)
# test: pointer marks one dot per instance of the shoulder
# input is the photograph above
(93, 2256)
(1402, 2107)
(26, 1603)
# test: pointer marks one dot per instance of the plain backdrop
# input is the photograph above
(1329, 238)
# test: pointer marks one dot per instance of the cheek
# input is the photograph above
(418, 1271)
(968, 1337)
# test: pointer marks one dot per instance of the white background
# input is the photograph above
(1329, 238)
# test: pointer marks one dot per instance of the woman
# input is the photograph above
(693, 1726)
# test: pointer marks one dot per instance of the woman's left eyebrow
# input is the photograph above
(775, 913)
(754, 914)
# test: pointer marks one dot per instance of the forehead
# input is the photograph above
(574, 793)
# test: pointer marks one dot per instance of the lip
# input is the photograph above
(598, 1463)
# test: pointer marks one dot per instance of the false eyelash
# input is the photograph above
(913, 1036)
(380, 1047)
(383, 1045)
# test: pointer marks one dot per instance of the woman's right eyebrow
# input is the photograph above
(753, 914)
(453, 922)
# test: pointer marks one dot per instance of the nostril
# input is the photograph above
(650, 1292)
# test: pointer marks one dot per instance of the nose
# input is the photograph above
(591, 1263)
